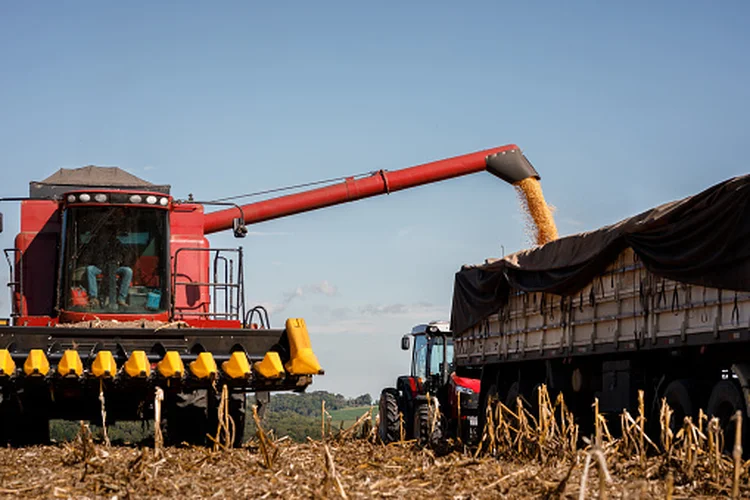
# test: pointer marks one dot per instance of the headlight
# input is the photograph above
(464, 390)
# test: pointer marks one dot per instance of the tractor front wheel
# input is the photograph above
(427, 428)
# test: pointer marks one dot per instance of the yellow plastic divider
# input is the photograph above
(137, 365)
(238, 367)
(70, 364)
(104, 365)
(271, 366)
(204, 366)
(7, 365)
(302, 359)
(171, 366)
(36, 364)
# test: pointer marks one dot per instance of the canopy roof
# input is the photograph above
(70, 179)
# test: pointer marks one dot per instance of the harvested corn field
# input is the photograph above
(359, 470)
(521, 455)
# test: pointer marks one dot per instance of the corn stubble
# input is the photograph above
(521, 454)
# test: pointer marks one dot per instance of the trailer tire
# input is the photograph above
(511, 397)
(726, 399)
(677, 395)
(388, 422)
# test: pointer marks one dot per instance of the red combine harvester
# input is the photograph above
(115, 290)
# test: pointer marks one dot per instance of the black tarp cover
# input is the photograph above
(702, 240)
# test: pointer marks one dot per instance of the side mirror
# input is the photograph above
(406, 342)
(239, 227)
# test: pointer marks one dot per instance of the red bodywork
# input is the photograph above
(37, 244)
(456, 381)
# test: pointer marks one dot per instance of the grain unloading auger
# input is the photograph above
(115, 290)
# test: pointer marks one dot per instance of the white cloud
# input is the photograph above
(572, 222)
(404, 231)
(397, 309)
(267, 233)
(323, 288)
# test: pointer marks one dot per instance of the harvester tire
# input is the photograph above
(389, 428)
(188, 420)
(424, 433)
(237, 411)
(23, 428)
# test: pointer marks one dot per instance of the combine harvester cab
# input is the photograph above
(116, 290)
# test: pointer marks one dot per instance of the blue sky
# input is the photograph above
(618, 106)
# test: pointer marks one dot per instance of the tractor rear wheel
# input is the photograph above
(389, 428)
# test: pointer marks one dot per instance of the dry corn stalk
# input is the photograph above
(402, 433)
(267, 447)
(665, 421)
(104, 414)
(158, 436)
(737, 454)
(642, 425)
(225, 430)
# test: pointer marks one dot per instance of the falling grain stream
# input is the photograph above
(536, 208)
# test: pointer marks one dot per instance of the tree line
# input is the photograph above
(295, 415)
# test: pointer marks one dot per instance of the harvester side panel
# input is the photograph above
(186, 226)
(35, 264)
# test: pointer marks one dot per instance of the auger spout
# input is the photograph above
(506, 162)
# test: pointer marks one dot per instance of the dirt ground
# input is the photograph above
(352, 469)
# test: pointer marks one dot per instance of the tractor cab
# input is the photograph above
(432, 355)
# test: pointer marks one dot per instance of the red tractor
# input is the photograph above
(409, 410)
(100, 247)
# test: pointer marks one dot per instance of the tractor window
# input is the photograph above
(115, 260)
(419, 361)
(436, 359)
